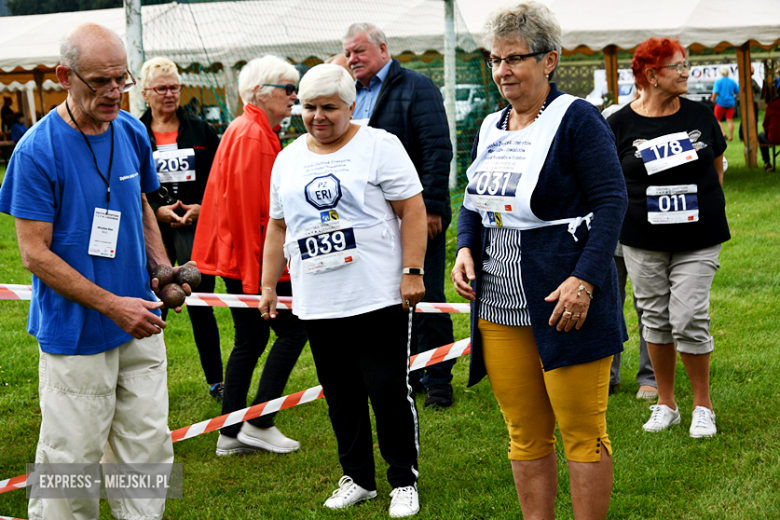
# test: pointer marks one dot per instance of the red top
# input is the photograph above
(234, 215)
(772, 121)
(163, 138)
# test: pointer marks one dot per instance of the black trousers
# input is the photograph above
(252, 333)
(360, 358)
(178, 245)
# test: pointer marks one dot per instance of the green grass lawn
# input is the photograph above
(464, 473)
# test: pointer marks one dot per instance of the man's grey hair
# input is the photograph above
(531, 23)
(374, 33)
(70, 50)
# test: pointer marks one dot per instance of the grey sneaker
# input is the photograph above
(405, 502)
(232, 446)
(703, 423)
(348, 494)
(269, 439)
(662, 418)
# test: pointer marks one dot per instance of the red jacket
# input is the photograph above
(234, 215)
(772, 121)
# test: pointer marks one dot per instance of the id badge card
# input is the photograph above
(105, 230)
(672, 204)
(666, 152)
(175, 165)
(495, 188)
(327, 246)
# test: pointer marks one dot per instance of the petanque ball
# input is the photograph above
(172, 295)
(188, 274)
(164, 275)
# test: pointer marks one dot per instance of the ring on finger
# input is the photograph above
(575, 316)
(568, 314)
(262, 314)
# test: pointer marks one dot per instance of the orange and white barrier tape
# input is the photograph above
(424, 359)
(251, 301)
(9, 518)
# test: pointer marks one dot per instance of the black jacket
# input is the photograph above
(410, 107)
(193, 133)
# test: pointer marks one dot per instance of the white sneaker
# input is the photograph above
(405, 502)
(348, 494)
(662, 418)
(232, 446)
(270, 439)
(703, 423)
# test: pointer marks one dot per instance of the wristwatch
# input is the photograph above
(414, 270)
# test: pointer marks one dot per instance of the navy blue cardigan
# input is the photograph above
(410, 107)
(581, 174)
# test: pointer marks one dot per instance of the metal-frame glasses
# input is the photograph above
(288, 89)
(102, 91)
(679, 67)
(512, 61)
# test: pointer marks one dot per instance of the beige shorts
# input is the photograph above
(673, 291)
(112, 405)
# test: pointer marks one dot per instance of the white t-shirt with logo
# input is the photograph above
(343, 240)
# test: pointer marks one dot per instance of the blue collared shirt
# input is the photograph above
(367, 96)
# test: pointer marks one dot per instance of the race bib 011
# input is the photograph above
(494, 191)
(326, 246)
(672, 204)
(666, 152)
(175, 165)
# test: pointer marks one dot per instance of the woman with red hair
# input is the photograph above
(671, 150)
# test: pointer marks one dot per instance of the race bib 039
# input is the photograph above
(672, 204)
(667, 152)
(326, 246)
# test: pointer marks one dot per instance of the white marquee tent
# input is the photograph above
(210, 33)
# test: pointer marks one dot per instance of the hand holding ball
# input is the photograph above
(172, 294)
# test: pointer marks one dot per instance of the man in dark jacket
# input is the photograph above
(408, 105)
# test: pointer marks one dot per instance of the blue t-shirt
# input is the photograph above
(52, 178)
(17, 131)
(726, 89)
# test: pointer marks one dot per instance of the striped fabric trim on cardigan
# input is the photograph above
(502, 299)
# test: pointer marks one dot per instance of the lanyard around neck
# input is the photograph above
(94, 158)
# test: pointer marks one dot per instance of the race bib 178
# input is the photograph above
(667, 152)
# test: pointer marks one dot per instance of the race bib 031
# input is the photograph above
(494, 191)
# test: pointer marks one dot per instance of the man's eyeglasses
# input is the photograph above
(679, 67)
(122, 84)
(511, 61)
(162, 90)
(288, 89)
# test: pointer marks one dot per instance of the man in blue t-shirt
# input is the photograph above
(724, 93)
(75, 185)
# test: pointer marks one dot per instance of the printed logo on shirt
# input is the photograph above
(327, 216)
(323, 192)
(495, 218)
(126, 177)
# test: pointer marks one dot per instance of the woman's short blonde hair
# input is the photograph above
(155, 67)
(324, 81)
(531, 23)
(268, 69)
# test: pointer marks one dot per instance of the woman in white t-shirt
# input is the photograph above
(337, 194)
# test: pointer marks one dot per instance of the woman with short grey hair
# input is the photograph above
(536, 234)
(337, 194)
